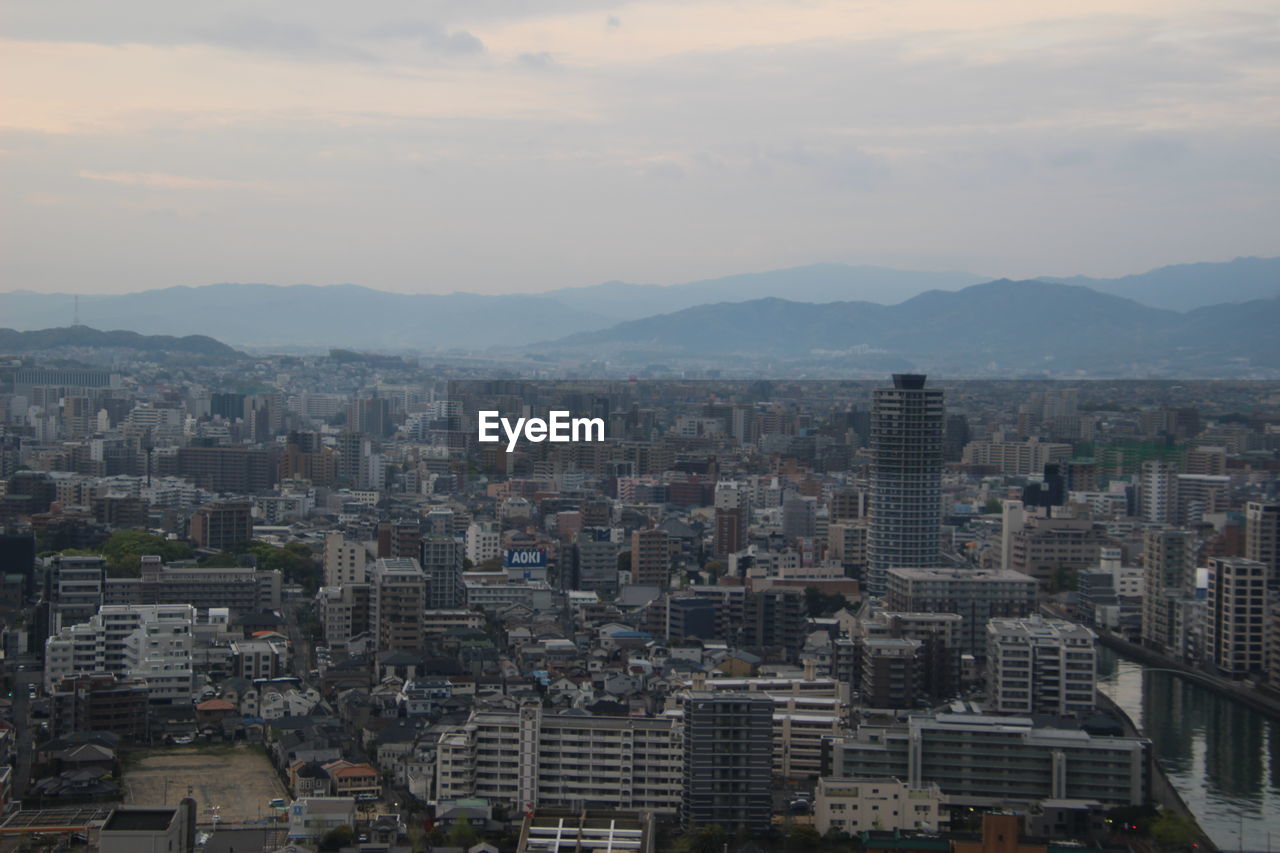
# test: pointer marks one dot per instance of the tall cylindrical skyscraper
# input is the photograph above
(906, 478)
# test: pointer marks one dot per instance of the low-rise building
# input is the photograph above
(854, 805)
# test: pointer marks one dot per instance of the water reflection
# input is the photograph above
(1223, 758)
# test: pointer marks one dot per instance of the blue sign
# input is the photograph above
(525, 558)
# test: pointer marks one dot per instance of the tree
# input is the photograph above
(337, 838)
(993, 505)
(802, 836)
(820, 603)
(462, 834)
(1171, 829)
(701, 839)
(125, 549)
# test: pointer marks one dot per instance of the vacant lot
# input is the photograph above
(237, 781)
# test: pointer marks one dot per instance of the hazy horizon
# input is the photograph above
(486, 147)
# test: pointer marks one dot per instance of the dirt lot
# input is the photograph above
(239, 780)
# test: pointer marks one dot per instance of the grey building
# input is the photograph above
(976, 595)
(728, 761)
(906, 478)
(980, 760)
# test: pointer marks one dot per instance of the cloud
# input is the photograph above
(540, 59)
(156, 180)
(432, 37)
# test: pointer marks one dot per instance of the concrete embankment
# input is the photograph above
(1259, 701)
(1162, 791)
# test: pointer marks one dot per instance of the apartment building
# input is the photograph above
(148, 643)
(1040, 666)
(982, 760)
(976, 595)
(397, 599)
(1239, 602)
(727, 779)
(530, 758)
(344, 561)
(1019, 458)
(856, 805)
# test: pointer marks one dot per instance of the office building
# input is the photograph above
(727, 779)
(1040, 666)
(906, 479)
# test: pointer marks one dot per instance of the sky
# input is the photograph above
(503, 146)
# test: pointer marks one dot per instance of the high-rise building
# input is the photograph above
(730, 532)
(1168, 570)
(728, 745)
(1262, 536)
(650, 557)
(906, 478)
(442, 563)
(1040, 666)
(1238, 599)
(1157, 491)
(595, 561)
(397, 599)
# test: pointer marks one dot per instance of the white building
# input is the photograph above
(483, 541)
(530, 759)
(1039, 665)
(856, 805)
(152, 642)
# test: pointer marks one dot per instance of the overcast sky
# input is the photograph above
(522, 145)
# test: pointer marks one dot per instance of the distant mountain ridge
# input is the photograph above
(12, 341)
(346, 315)
(1004, 325)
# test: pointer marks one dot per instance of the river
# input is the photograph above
(1222, 757)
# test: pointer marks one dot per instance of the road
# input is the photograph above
(24, 724)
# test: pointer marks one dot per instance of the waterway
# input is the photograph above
(1222, 757)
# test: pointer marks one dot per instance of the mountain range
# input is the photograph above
(1158, 316)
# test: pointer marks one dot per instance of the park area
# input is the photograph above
(236, 783)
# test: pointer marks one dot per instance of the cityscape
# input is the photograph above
(789, 614)
(636, 426)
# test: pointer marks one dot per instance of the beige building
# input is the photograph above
(1016, 457)
(397, 599)
(859, 804)
(344, 561)
(1236, 633)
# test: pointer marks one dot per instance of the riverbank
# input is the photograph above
(1252, 697)
(1162, 790)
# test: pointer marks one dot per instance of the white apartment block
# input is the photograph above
(530, 759)
(1039, 665)
(152, 642)
(483, 541)
(856, 805)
